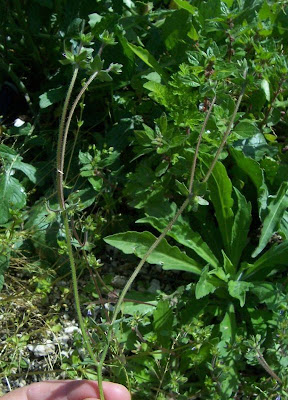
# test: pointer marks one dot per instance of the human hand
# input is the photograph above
(68, 390)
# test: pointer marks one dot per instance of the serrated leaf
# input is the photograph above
(238, 290)
(96, 64)
(138, 243)
(204, 286)
(275, 210)
(240, 228)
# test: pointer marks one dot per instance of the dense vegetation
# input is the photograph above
(182, 112)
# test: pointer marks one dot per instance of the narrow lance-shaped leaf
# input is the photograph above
(182, 233)
(228, 324)
(275, 211)
(138, 243)
(220, 187)
(276, 255)
(240, 228)
(148, 59)
(255, 173)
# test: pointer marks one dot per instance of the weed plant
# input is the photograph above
(175, 118)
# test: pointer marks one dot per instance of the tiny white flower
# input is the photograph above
(18, 122)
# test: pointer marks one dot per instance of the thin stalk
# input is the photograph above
(75, 141)
(60, 141)
(228, 130)
(266, 366)
(62, 149)
(193, 168)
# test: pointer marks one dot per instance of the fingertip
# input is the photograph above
(115, 391)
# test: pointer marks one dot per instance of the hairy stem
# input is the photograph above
(61, 149)
(228, 130)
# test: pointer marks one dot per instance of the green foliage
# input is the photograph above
(220, 310)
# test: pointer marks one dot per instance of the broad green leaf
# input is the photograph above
(94, 19)
(205, 285)
(182, 233)
(163, 321)
(12, 161)
(268, 294)
(138, 243)
(276, 255)
(228, 325)
(255, 173)
(140, 303)
(220, 187)
(275, 210)
(52, 96)
(148, 59)
(12, 195)
(186, 6)
(240, 228)
(238, 290)
(246, 129)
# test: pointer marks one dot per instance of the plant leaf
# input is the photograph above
(186, 6)
(238, 290)
(275, 211)
(220, 188)
(255, 173)
(204, 286)
(163, 321)
(276, 255)
(14, 162)
(52, 96)
(265, 88)
(228, 325)
(182, 233)
(240, 228)
(148, 59)
(12, 195)
(138, 243)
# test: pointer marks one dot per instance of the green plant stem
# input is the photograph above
(75, 141)
(193, 168)
(228, 130)
(265, 365)
(61, 149)
(59, 161)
